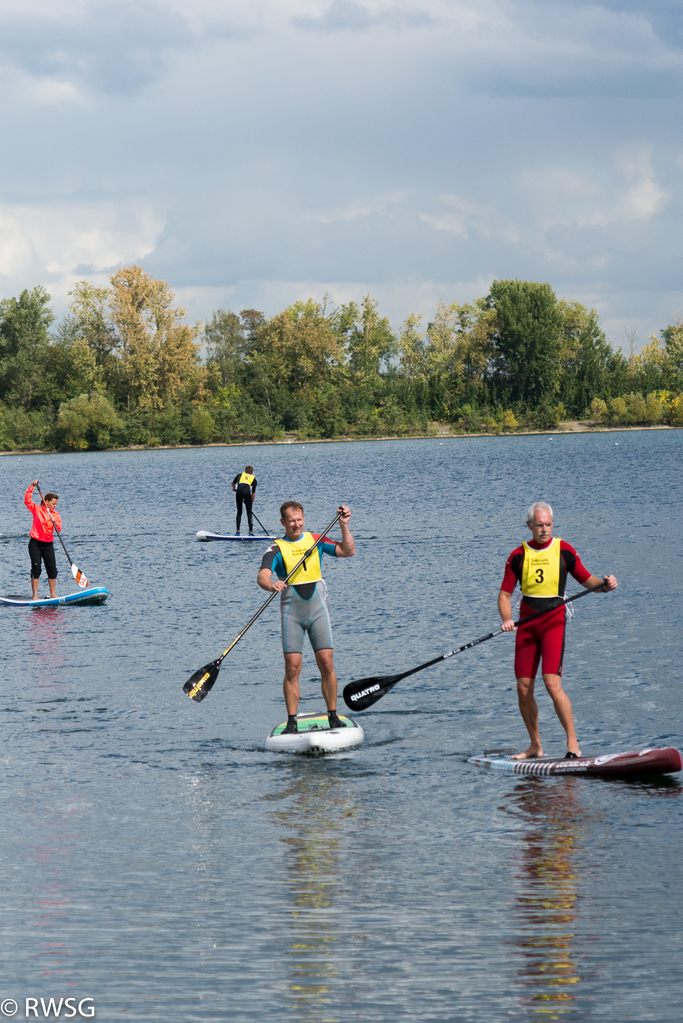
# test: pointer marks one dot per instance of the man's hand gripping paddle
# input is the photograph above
(75, 570)
(203, 680)
(362, 694)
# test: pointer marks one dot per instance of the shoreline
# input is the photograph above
(442, 433)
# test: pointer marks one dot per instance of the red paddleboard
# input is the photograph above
(663, 760)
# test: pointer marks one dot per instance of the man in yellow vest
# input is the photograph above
(541, 566)
(244, 486)
(302, 603)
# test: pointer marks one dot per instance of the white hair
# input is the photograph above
(534, 506)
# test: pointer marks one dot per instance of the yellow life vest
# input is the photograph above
(541, 571)
(246, 478)
(293, 551)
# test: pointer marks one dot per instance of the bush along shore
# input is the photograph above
(125, 369)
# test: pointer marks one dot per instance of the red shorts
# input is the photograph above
(542, 638)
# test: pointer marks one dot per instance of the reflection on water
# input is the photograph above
(318, 815)
(53, 893)
(44, 630)
(547, 886)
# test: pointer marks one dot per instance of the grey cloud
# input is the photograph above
(580, 50)
(347, 16)
(664, 16)
(589, 82)
(116, 48)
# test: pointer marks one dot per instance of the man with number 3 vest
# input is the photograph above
(540, 566)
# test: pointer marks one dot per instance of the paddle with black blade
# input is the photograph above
(75, 570)
(362, 694)
(203, 680)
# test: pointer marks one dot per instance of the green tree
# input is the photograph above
(73, 362)
(25, 349)
(298, 349)
(253, 323)
(588, 362)
(88, 308)
(83, 351)
(368, 337)
(597, 410)
(660, 364)
(673, 341)
(226, 345)
(203, 426)
(460, 344)
(87, 421)
(412, 349)
(528, 340)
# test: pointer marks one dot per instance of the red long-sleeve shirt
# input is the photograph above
(570, 562)
(43, 528)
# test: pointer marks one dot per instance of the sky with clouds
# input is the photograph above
(255, 152)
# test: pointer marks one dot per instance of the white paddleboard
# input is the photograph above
(205, 537)
(315, 735)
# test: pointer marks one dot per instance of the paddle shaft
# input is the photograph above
(275, 592)
(483, 639)
(260, 523)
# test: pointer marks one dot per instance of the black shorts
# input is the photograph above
(45, 550)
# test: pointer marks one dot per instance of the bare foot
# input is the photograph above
(529, 754)
(574, 750)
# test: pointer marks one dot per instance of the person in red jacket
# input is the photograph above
(541, 566)
(40, 544)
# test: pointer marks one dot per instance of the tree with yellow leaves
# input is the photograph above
(157, 352)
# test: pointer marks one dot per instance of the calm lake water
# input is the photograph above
(157, 860)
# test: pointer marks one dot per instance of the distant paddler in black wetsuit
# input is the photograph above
(302, 603)
(244, 485)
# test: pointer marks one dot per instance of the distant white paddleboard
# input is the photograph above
(315, 735)
(204, 536)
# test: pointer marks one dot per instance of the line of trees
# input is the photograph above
(124, 367)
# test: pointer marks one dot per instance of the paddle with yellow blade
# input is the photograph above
(203, 680)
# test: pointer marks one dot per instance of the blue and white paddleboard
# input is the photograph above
(92, 595)
(204, 536)
(315, 735)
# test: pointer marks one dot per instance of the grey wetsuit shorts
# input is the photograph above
(300, 616)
